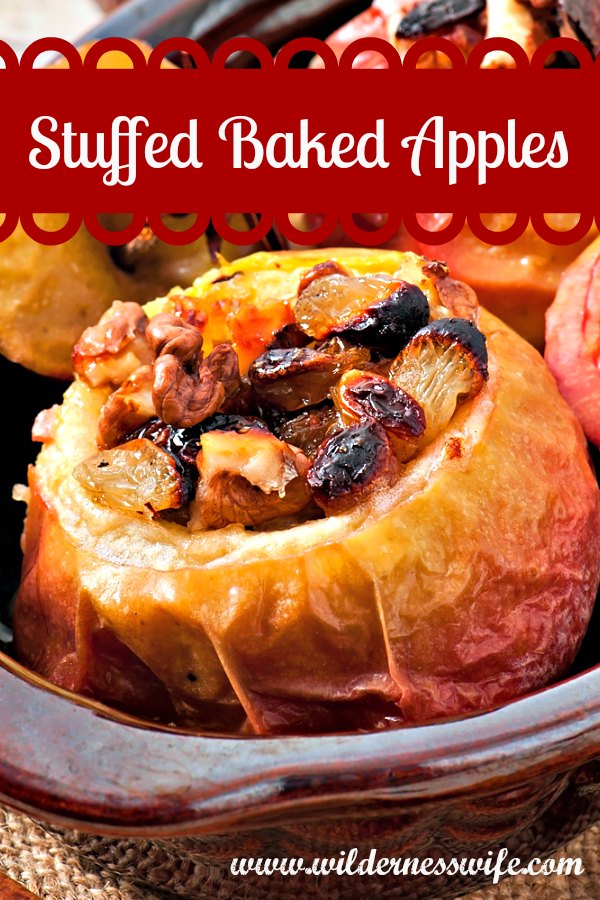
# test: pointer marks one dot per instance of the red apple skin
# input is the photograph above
(573, 339)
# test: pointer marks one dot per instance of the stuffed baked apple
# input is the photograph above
(316, 491)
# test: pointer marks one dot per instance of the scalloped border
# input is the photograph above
(266, 221)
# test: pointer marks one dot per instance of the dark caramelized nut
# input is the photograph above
(322, 269)
(389, 325)
(430, 16)
(182, 398)
(351, 466)
(363, 395)
(224, 365)
(172, 335)
(302, 376)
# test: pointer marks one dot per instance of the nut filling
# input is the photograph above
(329, 414)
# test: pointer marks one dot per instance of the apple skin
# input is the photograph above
(573, 339)
(467, 584)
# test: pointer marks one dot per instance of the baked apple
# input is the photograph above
(366, 505)
(573, 339)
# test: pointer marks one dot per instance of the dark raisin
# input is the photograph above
(388, 325)
(351, 465)
(362, 395)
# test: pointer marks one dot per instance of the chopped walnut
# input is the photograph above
(184, 398)
(248, 479)
(223, 362)
(168, 334)
(127, 408)
(108, 353)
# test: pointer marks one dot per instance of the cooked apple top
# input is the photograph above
(309, 405)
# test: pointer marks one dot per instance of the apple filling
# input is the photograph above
(331, 412)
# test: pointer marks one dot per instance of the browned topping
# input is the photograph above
(182, 398)
(137, 476)
(44, 425)
(363, 395)
(430, 16)
(467, 343)
(327, 415)
(435, 269)
(329, 267)
(127, 408)
(247, 479)
(351, 466)
(170, 334)
(110, 351)
(299, 377)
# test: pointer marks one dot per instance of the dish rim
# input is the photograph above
(72, 761)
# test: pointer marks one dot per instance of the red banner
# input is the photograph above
(275, 140)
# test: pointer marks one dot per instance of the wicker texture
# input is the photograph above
(49, 868)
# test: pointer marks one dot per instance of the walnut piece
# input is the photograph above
(108, 353)
(129, 407)
(182, 398)
(247, 479)
(168, 335)
(224, 365)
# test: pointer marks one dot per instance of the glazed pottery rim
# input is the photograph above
(193, 784)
